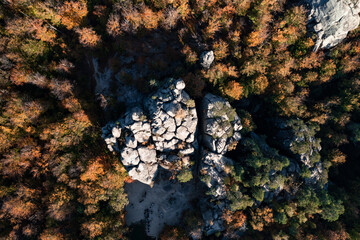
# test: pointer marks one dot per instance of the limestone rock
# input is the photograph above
(130, 142)
(144, 173)
(116, 132)
(212, 218)
(332, 20)
(174, 120)
(130, 157)
(147, 155)
(169, 122)
(206, 59)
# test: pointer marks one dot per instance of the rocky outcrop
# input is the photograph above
(220, 132)
(206, 59)
(214, 168)
(221, 124)
(146, 138)
(173, 119)
(162, 132)
(332, 20)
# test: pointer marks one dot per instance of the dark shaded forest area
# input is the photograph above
(59, 181)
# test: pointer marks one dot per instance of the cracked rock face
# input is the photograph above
(145, 138)
(333, 19)
(174, 117)
(221, 124)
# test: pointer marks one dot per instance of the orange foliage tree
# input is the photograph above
(234, 90)
(113, 25)
(59, 204)
(221, 50)
(72, 13)
(234, 220)
(88, 37)
(259, 84)
(51, 234)
(220, 72)
(93, 228)
(170, 233)
(261, 218)
(42, 31)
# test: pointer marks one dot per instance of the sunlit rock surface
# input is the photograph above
(332, 20)
(165, 124)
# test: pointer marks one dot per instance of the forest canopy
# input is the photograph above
(59, 181)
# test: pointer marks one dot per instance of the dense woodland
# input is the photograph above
(58, 180)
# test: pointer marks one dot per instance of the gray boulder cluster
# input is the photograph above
(162, 131)
(156, 136)
(221, 131)
(332, 20)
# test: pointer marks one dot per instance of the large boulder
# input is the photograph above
(206, 59)
(332, 20)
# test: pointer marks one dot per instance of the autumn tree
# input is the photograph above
(72, 13)
(171, 18)
(88, 37)
(59, 204)
(261, 218)
(170, 233)
(233, 90)
(113, 25)
(234, 220)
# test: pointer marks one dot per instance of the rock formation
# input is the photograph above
(332, 20)
(146, 138)
(221, 124)
(213, 170)
(221, 131)
(162, 132)
(206, 59)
